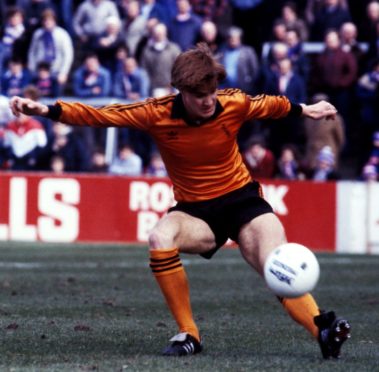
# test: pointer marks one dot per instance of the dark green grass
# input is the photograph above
(83, 308)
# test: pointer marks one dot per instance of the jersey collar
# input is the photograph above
(179, 112)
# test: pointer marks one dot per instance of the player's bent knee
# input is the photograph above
(159, 240)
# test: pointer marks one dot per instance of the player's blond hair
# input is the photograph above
(197, 71)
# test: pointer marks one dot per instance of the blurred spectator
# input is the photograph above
(240, 61)
(106, 45)
(132, 83)
(89, 19)
(24, 138)
(33, 10)
(45, 81)
(368, 94)
(323, 133)
(278, 31)
(209, 34)
(184, 28)
(157, 59)
(134, 27)
(65, 11)
(259, 160)
(12, 30)
(283, 80)
(324, 169)
(300, 60)
(349, 43)
(126, 163)
(91, 79)
(121, 54)
(367, 25)
(57, 164)
(15, 78)
(51, 44)
(156, 167)
(210, 10)
(155, 9)
(98, 163)
(150, 24)
(331, 15)
(370, 173)
(373, 50)
(70, 148)
(278, 51)
(288, 163)
(312, 7)
(335, 73)
(292, 21)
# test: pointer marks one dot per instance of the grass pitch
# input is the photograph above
(98, 308)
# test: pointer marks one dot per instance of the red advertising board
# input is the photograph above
(94, 208)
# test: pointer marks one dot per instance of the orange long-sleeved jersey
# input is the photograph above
(203, 161)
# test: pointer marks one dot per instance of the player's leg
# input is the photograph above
(256, 240)
(178, 232)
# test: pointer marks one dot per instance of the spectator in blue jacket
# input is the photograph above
(15, 78)
(184, 28)
(91, 79)
(132, 83)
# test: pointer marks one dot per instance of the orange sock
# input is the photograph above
(303, 309)
(172, 279)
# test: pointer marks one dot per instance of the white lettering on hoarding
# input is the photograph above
(145, 222)
(150, 201)
(157, 196)
(18, 228)
(275, 196)
(61, 219)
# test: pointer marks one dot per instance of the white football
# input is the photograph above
(291, 270)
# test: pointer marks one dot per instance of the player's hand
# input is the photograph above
(27, 106)
(320, 110)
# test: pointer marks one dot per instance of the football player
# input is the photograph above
(195, 130)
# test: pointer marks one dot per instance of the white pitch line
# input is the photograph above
(332, 260)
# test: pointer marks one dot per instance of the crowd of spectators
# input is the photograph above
(307, 50)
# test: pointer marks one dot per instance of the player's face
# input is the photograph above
(199, 107)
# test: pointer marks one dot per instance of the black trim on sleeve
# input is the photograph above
(295, 111)
(54, 111)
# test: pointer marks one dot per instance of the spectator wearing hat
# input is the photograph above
(325, 166)
(370, 173)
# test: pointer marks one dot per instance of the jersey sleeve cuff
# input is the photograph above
(54, 111)
(296, 110)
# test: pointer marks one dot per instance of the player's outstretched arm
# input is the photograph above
(27, 106)
(319, 110)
